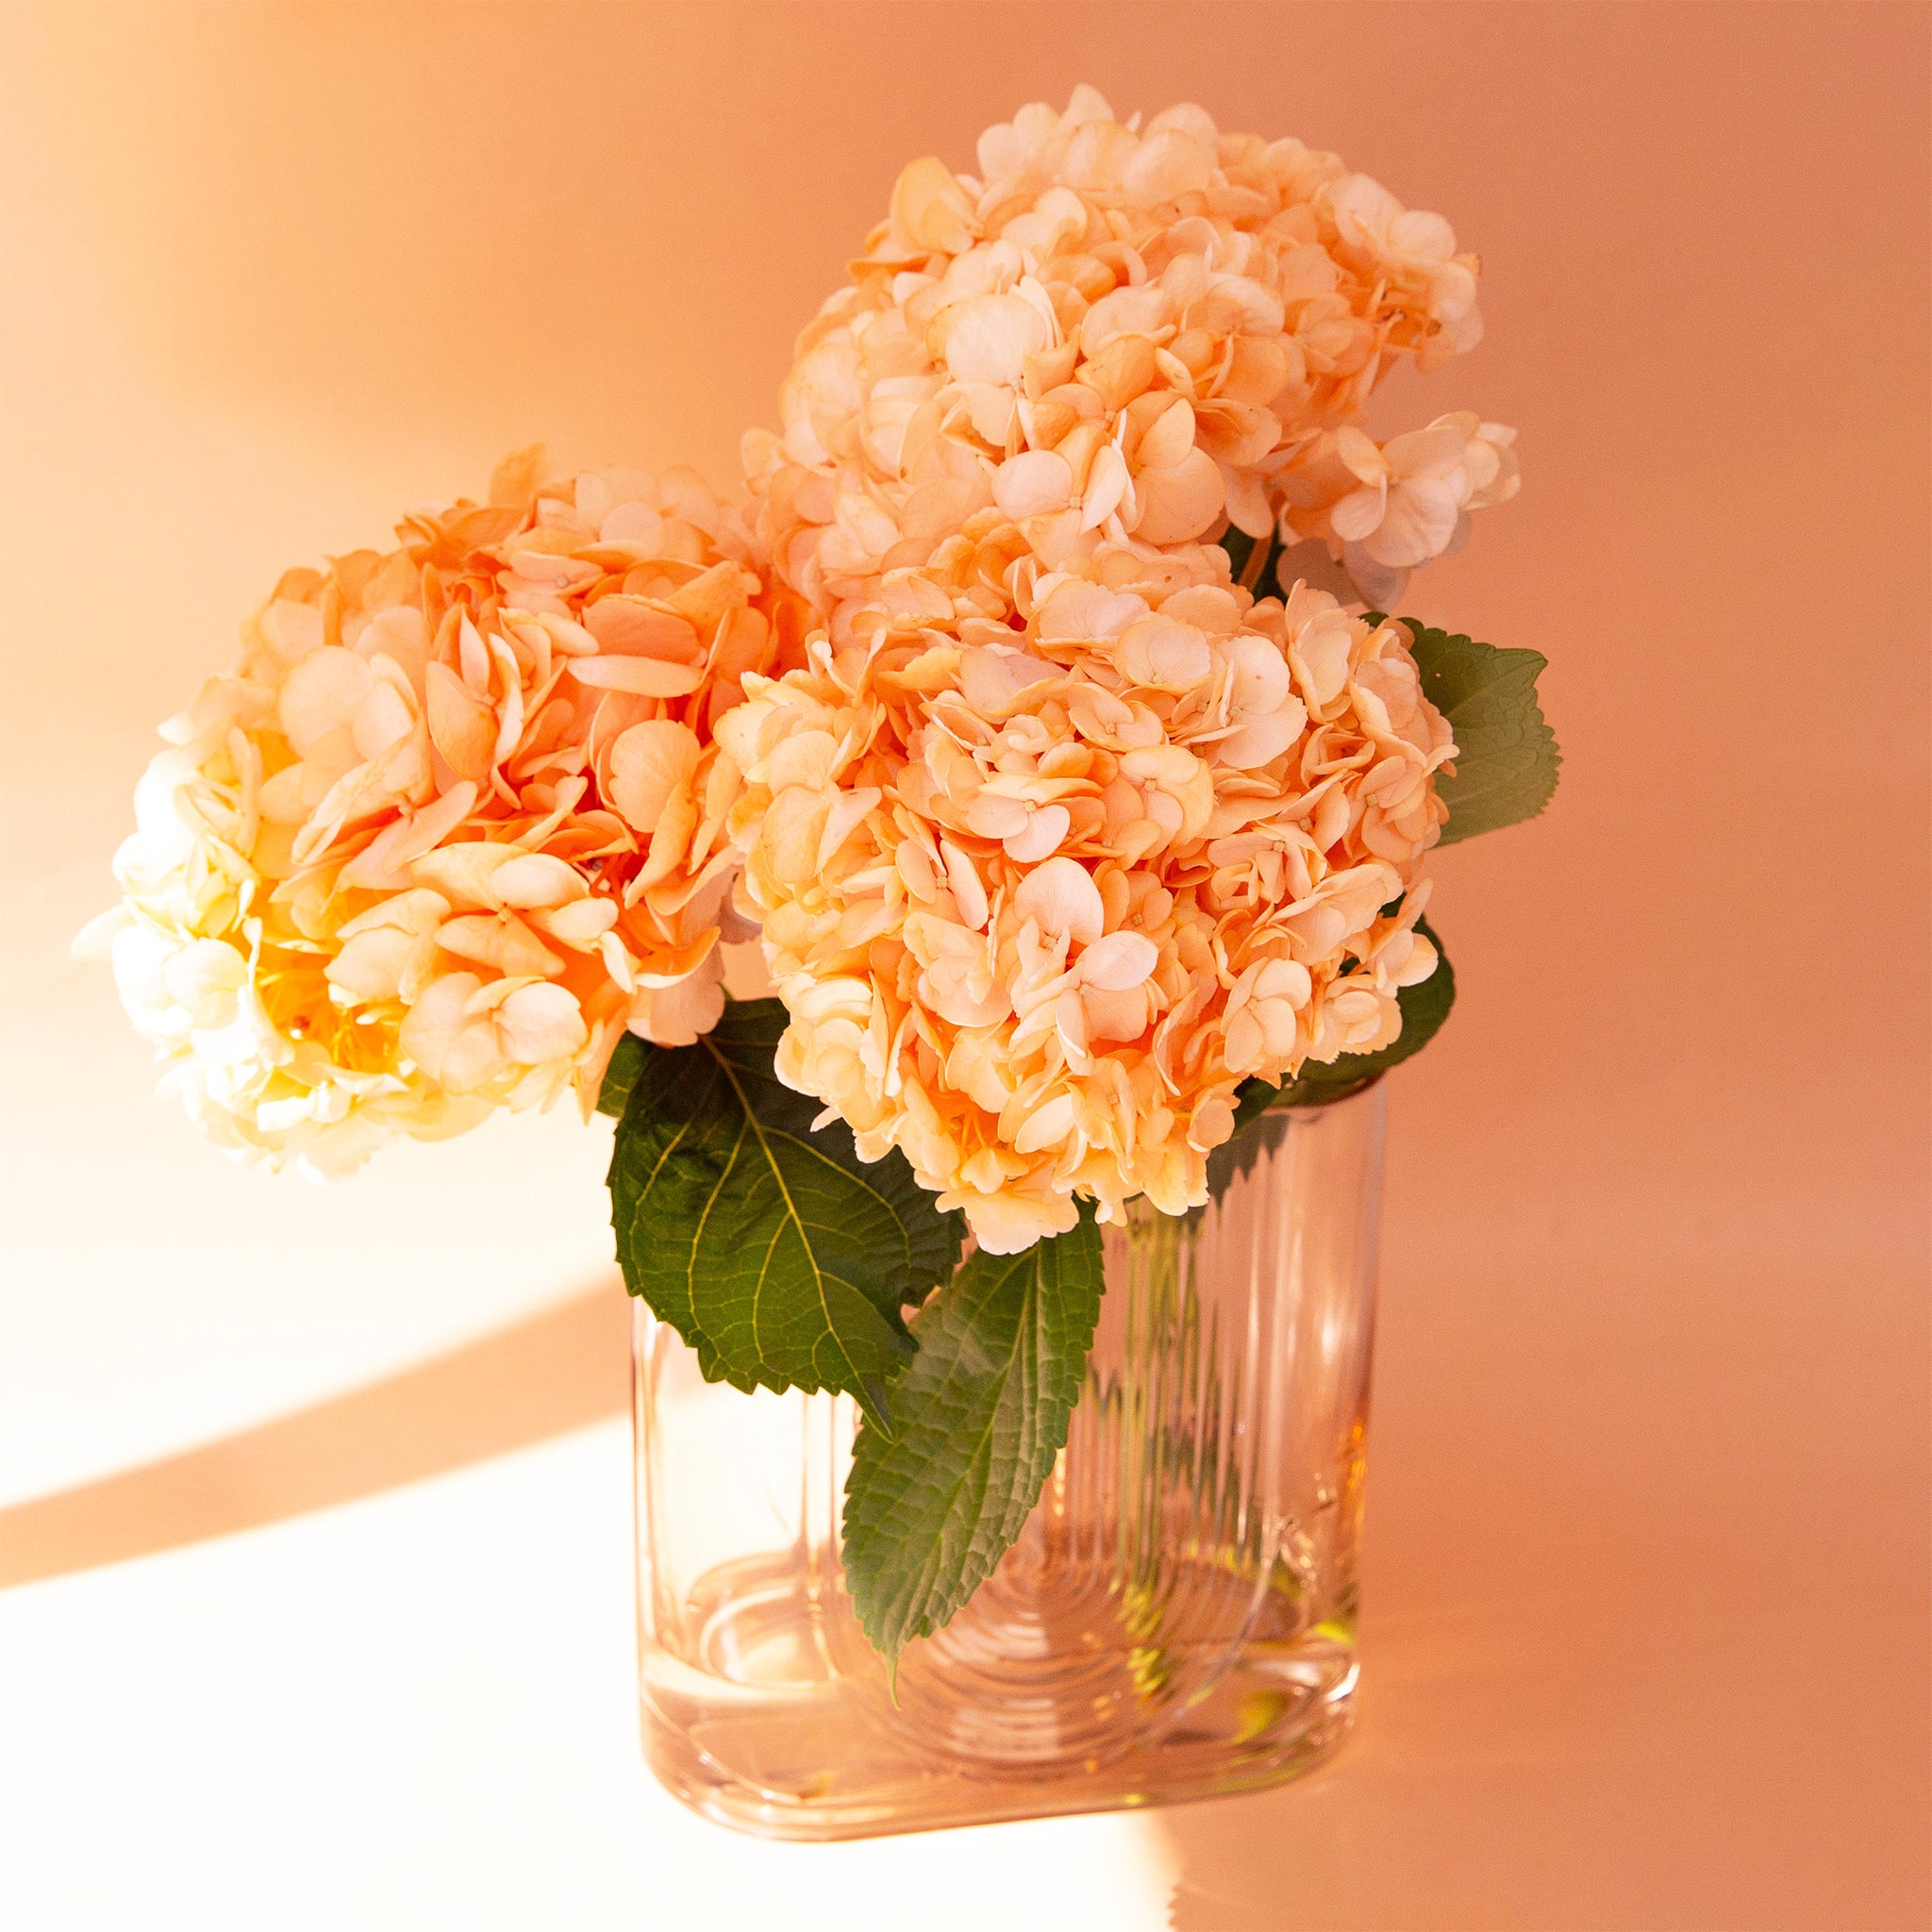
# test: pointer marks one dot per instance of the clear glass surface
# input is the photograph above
(1178, 1618)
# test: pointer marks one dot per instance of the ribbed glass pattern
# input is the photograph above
(1177, 1617)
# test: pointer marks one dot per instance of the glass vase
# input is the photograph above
(1176, 1619)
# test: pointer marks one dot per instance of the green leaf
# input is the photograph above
(1424, 1007)
(620, 1076)
(980, 1416)
(1507, 759)
(772, 1249)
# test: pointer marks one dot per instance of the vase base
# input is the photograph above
(815, 1766)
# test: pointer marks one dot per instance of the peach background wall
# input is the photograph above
(1647, 1627)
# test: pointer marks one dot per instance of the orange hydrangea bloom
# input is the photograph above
(1043, 881)
(455, 821)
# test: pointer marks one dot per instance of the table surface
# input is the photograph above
(314, 1567)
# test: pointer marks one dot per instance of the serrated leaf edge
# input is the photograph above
(919, 1582)
(1536, 721)
(1047, 1443)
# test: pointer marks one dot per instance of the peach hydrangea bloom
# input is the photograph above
(1041, 885)
(1121, 334)
(455, 821)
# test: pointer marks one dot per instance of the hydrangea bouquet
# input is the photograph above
(1024, 710)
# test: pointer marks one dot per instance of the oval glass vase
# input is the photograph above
(1177, 1617)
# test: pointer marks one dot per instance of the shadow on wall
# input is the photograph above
(557, 1372)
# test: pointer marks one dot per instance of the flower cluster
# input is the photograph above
(1057, 832)
(1127, 334)
(455, 821)
(1040, 888)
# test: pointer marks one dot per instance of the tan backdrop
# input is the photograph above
(1647, 1619)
